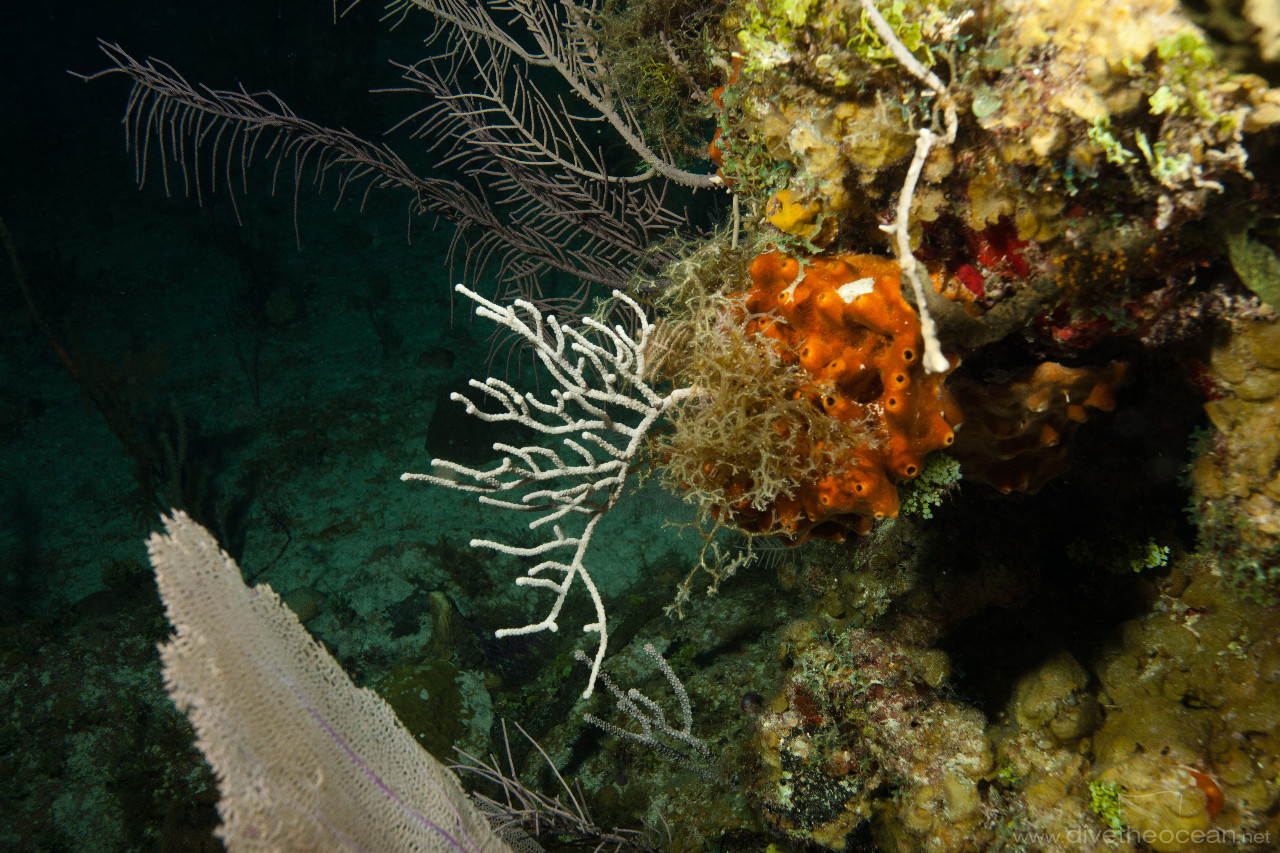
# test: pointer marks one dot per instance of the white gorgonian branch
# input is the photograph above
(524, 125)
(653, 721)
(934, 361)
(602, 409)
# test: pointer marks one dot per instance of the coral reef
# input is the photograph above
(1088, 139)
(1168, 735)
(861, 729)
(852, 413)
(1088, 142)
(1095, 215)
(1187, 726)
(1084, 192)
(1237, 474)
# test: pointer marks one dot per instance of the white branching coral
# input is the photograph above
(603, 409)
(934, 361)
(653, 721)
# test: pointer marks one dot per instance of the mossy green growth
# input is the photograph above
(1230, 532)
(1189, 73)
(1104, 800)
(909, 29)
(770, 35)
(683, 657)
(746, 162)
(1187, 48)
(1119, 554)
(1168, 169)
(1151, 555)
(769, 30)
(1183, 83)
(794, 12)
(658, 60)
(918, 497)
(1103, 135)
(1009, 777)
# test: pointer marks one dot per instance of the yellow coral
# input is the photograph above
(1237, 476)
(787, 212)
(1083, 29)
(1161, 801)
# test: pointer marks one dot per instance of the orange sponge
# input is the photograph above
(842, 318)
(1021, 425)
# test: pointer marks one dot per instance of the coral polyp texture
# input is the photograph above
(874, 738)
(843, 321)
(1237, 474)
